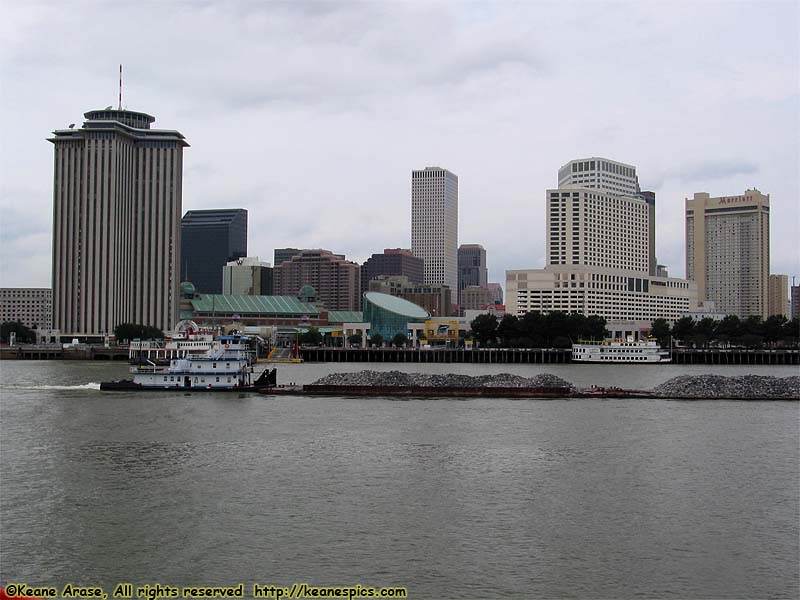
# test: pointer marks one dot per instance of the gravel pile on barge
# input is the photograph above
(718, 386)
(400, 379)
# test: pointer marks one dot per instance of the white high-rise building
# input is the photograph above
(600, 252)
(613, 177)
(434, 224)
(600, 229)
(601, 174)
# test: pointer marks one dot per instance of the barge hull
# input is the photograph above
(419, 391)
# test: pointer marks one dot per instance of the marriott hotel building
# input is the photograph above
(727, 251)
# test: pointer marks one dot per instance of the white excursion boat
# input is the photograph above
(194, 359)
(620, 351)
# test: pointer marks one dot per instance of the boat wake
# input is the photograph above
(85, 386)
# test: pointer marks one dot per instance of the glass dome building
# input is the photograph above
(390, 315)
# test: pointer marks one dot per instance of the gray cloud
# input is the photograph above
(312, 114)
(712, 170)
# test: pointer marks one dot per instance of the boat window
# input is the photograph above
(165, 377)
(214, 365)
(229, 379)
(217, 379)
(202, 380)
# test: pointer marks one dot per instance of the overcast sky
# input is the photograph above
(312, 115)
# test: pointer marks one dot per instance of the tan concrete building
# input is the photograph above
(475, 297)
(116, 223)
(779, 295)
(336, 280)
(609, 293)
(388, 284)
(727, 251)
(33, 307)
(436, 299)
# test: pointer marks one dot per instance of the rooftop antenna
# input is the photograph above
(120, 86)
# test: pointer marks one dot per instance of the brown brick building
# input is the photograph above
(336, 280)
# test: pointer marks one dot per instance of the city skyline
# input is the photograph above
(726, 122)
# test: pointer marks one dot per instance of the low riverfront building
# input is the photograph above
(389, 315)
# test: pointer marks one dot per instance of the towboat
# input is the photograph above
(195, 360)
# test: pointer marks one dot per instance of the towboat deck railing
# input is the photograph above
(148, 368)
(145, 345)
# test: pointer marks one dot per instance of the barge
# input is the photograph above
(420, 391)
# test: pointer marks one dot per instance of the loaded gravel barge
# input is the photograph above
(544, 386)
(418, 391)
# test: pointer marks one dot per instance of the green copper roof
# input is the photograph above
(253, 305)
(345, 316)
(307, 291)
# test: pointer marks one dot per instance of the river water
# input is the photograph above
(451, 498)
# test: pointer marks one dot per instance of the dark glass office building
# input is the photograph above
(471, 268)
(209, 239)
(393, 261)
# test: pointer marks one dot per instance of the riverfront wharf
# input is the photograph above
(682, 356)
(58, 352)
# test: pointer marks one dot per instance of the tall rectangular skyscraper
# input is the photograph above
(210, 239)
(116, 223)
(434, 224)
(727, 251)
